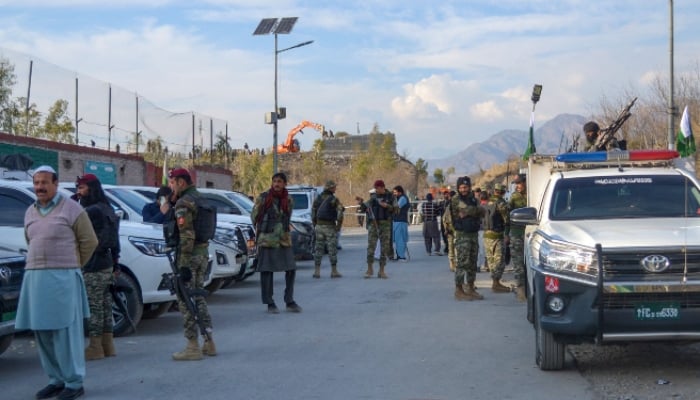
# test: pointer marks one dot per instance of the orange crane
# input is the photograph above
(291, 145)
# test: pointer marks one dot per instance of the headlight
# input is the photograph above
(224, 235)
(560, 257)
(301, 227)
(149, 247)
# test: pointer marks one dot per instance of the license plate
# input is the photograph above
(657, 311)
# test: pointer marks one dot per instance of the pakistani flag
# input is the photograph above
(685, 142)
(531, 141)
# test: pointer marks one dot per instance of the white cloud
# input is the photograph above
(486, 111)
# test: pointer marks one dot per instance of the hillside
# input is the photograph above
(551, 137)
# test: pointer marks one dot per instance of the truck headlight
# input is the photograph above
(565, 257)
(224, 235)
(149, 247)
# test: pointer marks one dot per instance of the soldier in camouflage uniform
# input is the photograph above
(327, 217)
(466, 214)
(380, 209)
(98, 272)
(194, 257)
(496, 224)
(517, 237)
(592, 131)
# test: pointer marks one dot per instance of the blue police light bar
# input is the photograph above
(618, 155)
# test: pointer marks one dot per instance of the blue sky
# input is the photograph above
(441, 75)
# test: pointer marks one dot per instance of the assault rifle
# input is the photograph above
(178, 287)
(606, 134)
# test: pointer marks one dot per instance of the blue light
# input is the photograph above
(595, 156)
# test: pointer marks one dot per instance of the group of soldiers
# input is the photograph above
(462, 218)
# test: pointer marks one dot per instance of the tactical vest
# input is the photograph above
(380, 213)
(493, 220)
(326, 208)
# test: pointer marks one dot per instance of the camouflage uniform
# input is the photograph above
(493, 239)
(97, 286)
(326, 229)
(194, 256)
(379, 225)
(517, 237)
(466, 215)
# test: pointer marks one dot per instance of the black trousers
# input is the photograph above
(266, 286)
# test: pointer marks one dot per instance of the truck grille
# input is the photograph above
(627, 265)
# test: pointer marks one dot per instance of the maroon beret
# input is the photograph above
(379, 183)
(83, 180)
(178, 173)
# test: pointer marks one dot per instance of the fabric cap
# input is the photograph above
(330, 184)
(519, 179)
(45, 168)
(83, 180)
(178, 173)
(500, 187)
(590, 127)
(379, 183)
(464, 180)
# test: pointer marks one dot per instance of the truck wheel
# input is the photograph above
(5, 342)
(214, 285)
(131, 300)
(155, 310)
(549, 354)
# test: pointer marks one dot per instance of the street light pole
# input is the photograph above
(277, 26)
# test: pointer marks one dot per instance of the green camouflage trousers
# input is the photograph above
(466, 248)
(326, 237)
(451, 248)
(100, 300)
(199, 268)
(517, 257)
(494, 256)
(384, 236)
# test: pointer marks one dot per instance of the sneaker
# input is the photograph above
(438, 253)
(402, 259)
(71, 394)
(272, 309)
(293, 307)
(50, 391)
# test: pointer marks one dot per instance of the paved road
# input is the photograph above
(404, 338)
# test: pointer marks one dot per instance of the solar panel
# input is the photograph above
(286, 25)
(265, 26)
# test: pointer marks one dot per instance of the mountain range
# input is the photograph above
(554, 136)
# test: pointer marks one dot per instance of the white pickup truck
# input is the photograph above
(612, 250)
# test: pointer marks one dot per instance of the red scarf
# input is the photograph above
(282, 195)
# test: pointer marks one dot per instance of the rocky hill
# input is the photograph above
(553, 136)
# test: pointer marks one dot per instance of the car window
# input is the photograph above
(123, 214)
(13, 205)
(132, 199)
(149, 194)
(222, 203)
(625, 197)
(301, 201)
(242, 200)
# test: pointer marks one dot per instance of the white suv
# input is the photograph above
(143, 260)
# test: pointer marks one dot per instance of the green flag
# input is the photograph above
(531, 141)
(165, 170)
(685, 142)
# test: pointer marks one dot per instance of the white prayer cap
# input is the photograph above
(373, 191)
(45, 168)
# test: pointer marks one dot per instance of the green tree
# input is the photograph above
(439, 176)
(57, 125)
(26, 122)
(7, 81)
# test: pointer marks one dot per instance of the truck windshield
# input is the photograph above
(633, 196)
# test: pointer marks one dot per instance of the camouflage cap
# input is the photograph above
(499, 187)
(329, 184)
